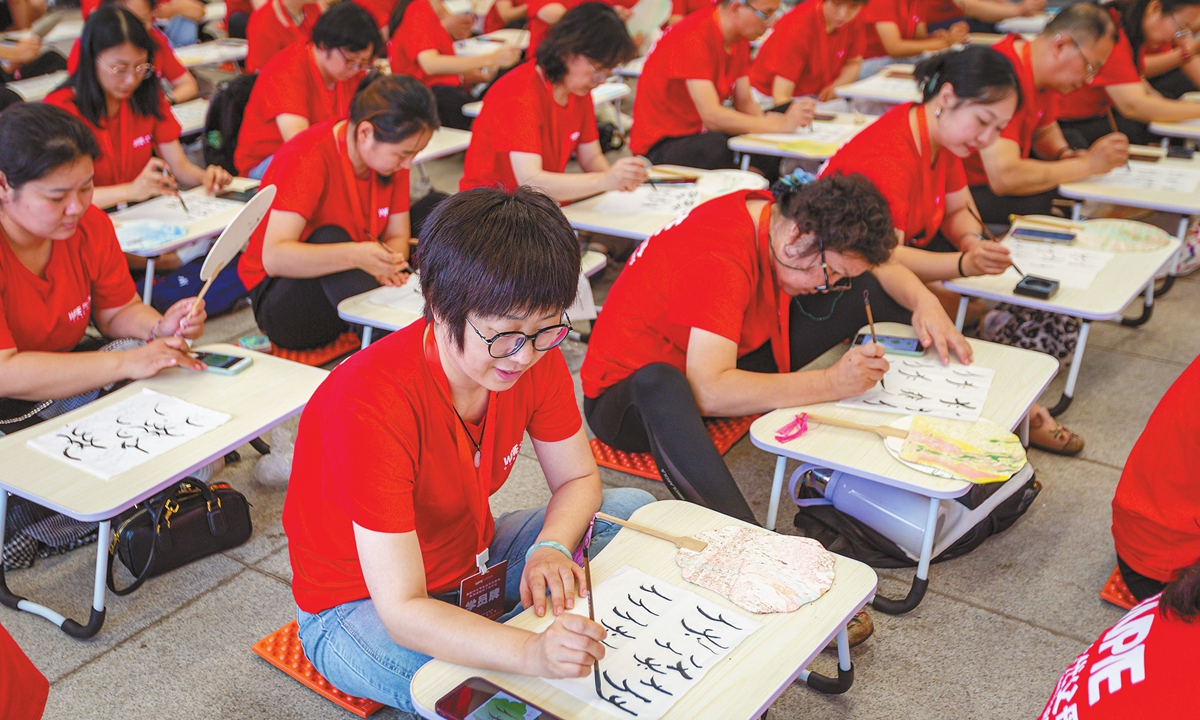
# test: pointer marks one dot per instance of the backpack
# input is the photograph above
(224, 121)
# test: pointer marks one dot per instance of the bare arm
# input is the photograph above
(897, 46)
(848, 75)
(552, 13)
(212, 178)
(716, 116)
(1135, 101)
(1010, 174)
(931, 323)
(397, 233)
(184, 88)
(290, 125)
(781, 90)
(997, 10)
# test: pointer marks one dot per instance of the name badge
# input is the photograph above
(483, 592)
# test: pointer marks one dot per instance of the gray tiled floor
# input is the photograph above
(989, 640)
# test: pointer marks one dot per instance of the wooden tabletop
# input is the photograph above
(882, 88)
(201, 229)
(1031, 24)
(191, 115)
(1021, 376)
(37, 88)
(1183, 203)
(608, 92)
(742, 685)
(445, 141)
(583, 214)
(1115, 286)
(214, 52)
(855, 122)
(258, 398)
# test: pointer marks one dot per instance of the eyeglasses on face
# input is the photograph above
(765, 17)
(599, 72)
(144, 70)
(502, 345)
(1091, 69)
(352, 64)
(843, 284)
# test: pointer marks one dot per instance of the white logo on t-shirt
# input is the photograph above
(142, 140)
(384, 212)
(81, 312)
(575, 136)
(512, 455)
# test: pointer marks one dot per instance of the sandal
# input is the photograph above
(1045, 433)
(859, 629)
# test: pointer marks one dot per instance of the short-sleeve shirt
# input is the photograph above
(87, 7)
(86, 273)
(538, 27)
(271, 29)
(1142, 667)
(127, 139)
(23, 688)
(377, 447)
(1039, 109)
(520, 115)
(666, 289)
(379, 10)
(687, 7)
(235, 6)
(1121, 68)
(312, 178)
(800, 50)
(166, 64)
(906, 14)
(493, 22)
(290, 84)
(420, 30)
(1157, 503)
(886, 153)
(937, 12)
(691, 49)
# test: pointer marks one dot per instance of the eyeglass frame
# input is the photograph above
(600, 74)
(828, 286)
(147, 69)
(761, 15)
(524, 337)
(1089, 68)
(356, 66)
(1181, 33)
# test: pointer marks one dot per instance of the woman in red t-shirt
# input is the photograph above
(1116, 84)
(897, 29)
(339, 225)
(276, 25)
(813, 50)
(387, 511)
(61, 269)
(422, 45)
(540, 114)
(505, 14)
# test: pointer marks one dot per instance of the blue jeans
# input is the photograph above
(349, 645)
(181, 31)
(257, 172)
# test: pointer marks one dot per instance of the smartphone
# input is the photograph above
(1036, 287)
(239, 195)
(478, 699)
(224, 364)
(1179, 151)
(1044, 235)
(893, 344)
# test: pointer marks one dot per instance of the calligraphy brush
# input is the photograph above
(870, 317)
(167, 171)
(1112, 123)
(990, 236)
(587, 576)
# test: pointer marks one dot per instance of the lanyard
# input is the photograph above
(476, 481)
(369, 214)
(780, 346)
(929, 182)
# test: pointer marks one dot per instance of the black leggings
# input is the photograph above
(1140, 586)
(450, 101)
(994, 209)
(1082, 133)
(236, 23)
(819, 322)
(1173, 84)
(707, 151)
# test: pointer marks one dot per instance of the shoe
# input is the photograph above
(859, 629)
(276, 468)
(1046, 433)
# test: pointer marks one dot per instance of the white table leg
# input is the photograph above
(1076, 210)
(367, 335)
(616, 106)
(776, 489)
(921, 581)
(1023, 430)
(961, 318)
(148, 288)
(1073, 375)
(745, 161)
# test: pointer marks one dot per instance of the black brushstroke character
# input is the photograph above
(679, 668)
(640, 604)
(654, 684)
(624, 687)
(667, 646)
(693, 659)
(623, 616)
(708, 635)
(615, 700)
(719, 618)
(653, 589)
(649, 664)
(620, 630)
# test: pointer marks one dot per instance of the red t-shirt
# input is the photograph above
(166, 63)
(939, 11)
(691, 49)
(687, 7)
(271, 29)
(666, 290)
(378, 446)
(86, 7)
(290, 84)
(907, 14)
(800, 50)
(379, 10)
(1120, 69)
(127, 139)
(1143, 667)
(915, 192)
(87, 272)
(493, 22)
(420, 30)
(313, 177)
(23, 688)
(520, 115)
(538, 27)
(1156, 508)
(237, 6)
(1039, 108)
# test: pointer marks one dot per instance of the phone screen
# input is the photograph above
(1043, 235)
(478, 699)
(891, 343)
(219, 361)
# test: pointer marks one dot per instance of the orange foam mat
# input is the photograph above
(282, 649)
(1116, 592)
(347, 342)
(723, 431)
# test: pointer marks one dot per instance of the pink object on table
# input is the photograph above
(794, 429)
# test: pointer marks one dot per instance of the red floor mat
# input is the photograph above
(724, 432)
(1116, 592)
(282, 649)
(319, 356)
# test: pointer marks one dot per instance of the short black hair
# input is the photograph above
(490, 252)
(397, 106)
(151, 3)
(847, 212)
(107, 27)
(36, 138)
(346, 26)
(1182, 595)
(592, 30)
(976, 73)
(1132, 12)
(1083, 21)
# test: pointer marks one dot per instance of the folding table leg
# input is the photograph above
(67, 625)
(917, 592)
(776, 488)
(1147, 309)
(845, 678)
(1023, 430)
(366, 340)
(1072, 376)
(745, 161)
(961, 318)
(1181, 233)
(148, 287)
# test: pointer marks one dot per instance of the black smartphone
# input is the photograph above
(1036, 287)
(893, 344)
(1179, 151)
(1044, 235)
(239, 195)
(478, 699)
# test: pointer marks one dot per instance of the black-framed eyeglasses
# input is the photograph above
(502, 345)
(1091, 69)
(765, 17)
(843, 284)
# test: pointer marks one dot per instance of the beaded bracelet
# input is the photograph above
(546, 544)
(153, 330)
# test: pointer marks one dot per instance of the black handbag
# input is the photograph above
(185, 523)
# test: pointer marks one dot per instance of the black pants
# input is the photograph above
(1173, 84)
(994, 209)
(450, 101)
(1139, 585)
(819, 322)
(707, 151)
(1083, 132)
(235, 24)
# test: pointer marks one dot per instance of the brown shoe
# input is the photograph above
(859, 629)
(1046, 433)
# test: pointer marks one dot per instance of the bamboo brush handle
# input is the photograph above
(880, 430)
